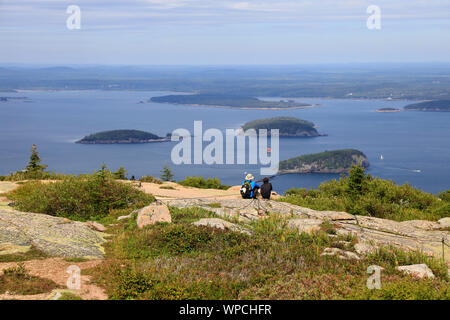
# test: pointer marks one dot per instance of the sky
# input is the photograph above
(192, 32)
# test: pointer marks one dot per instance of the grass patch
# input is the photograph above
(76, 259)
(16, 280)
(69, 296)
(183, 261)
(167, 187)
(31, 254)
(214, 205)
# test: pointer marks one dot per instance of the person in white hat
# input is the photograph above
(249, 187)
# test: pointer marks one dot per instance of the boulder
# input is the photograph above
(221, 224)
(124, 217)
(96, 226)
(341, 254)
(417, 270)
(444, 222)
(305, 225)
(154, 213)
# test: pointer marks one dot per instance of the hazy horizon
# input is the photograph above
(219, 32)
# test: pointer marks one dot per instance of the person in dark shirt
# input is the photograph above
(266, 189)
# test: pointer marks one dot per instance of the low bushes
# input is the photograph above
(82, 198)
(16, 280)
(150, 179)
(200, 182)
(364, 195)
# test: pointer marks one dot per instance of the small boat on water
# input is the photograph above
(381, 157)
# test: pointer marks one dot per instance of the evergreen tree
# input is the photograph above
(103, 174)
(34, 166)
(167, 174)
(120, 174)
(356, 180)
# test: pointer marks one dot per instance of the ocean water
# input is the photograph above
(415, 145)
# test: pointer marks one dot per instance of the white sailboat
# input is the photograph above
(381, 157)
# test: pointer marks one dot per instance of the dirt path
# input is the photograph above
(55, 269)
(162, 191)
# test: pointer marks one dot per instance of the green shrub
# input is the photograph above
(174, 239)
(200, 182)
(16, 280)
(364, 195)
(150, 179)
(89, 197)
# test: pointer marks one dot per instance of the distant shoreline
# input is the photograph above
(242, 108)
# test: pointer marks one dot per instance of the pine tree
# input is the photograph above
(167, 174)
(34, 165)
(103, 174)
(356, 180)
(120, 174)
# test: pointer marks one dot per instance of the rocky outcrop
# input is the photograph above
(305, 225)
(154, 213)
(221, 224)
(52, 235)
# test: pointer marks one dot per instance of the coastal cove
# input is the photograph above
(414, 145)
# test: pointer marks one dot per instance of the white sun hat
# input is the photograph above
(249, 177)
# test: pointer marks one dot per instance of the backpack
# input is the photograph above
(246, 190)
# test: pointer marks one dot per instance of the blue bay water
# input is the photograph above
(415, 145)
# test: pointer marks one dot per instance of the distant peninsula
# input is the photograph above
(337, 161)
(230, 101)
(5, 99)
(122, 137)
(388, 110)
(433, 105)
(288, 126)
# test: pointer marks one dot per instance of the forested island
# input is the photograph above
(337, 161)
(288, 126)
(122, 137)
(388, 110)
(433, 105)
(229, 101)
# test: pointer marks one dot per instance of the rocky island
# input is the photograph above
(433, 105)
(337, 161)
(229, 101)
(288, 126)
(122, 137)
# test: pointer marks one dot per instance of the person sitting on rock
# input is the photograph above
(266, 189)
(249, 187)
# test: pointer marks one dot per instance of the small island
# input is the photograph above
(388, 110)
(122, 137)
(229, 101)
(337, 161)
(288, 126)
(433, 105)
